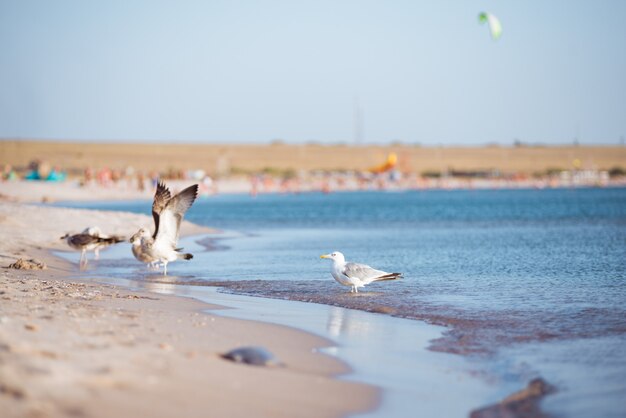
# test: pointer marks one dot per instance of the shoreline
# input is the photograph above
(101, 341)
(23, 191)
(93, 316)
(471, 381)
(359, 336)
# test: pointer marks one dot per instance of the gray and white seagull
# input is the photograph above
(140, 251)
(168, 213)
(356, 275)
(91, 239)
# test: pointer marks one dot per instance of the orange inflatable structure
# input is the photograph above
(392, 160)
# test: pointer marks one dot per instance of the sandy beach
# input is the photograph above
(221, 159)
(71, 347)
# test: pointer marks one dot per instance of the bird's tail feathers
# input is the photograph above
(111, 240)
(390, 276)
(185, 256)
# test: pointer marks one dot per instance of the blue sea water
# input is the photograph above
(552, 262)
(502, 269)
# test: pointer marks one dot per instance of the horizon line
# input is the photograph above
(278, 142)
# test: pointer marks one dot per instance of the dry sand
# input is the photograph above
(72, 191)
(70, 347)
(222, 158)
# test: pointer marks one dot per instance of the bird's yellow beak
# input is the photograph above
(325, 256)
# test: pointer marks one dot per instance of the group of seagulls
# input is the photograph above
(156, 249)
(159, 248)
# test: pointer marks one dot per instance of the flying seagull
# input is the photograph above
(90, 239)
(168, 214)
(354, 274)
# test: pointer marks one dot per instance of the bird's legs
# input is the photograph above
(83, 258)
(165, 267)
(155, 265)
(97, 254)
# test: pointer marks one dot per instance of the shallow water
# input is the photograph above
(544, 264)
(545, 268)
(384, 351)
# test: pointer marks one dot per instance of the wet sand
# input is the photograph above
(467, 332)
(73, 347)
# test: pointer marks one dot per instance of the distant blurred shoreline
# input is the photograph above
(112, 171)
(72, 191)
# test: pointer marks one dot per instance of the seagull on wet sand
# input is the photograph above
(140, 251)
(90, 239)
(356, 275)
(168, 214)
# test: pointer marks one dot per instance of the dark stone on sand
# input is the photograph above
(14, 392)
(255, 356)
(522, 404)
(32, 264)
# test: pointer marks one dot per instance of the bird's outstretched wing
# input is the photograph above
(366, 273)
(161, 197)
(172, 215)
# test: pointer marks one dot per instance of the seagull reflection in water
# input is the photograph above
(161, 286)
(345, 322)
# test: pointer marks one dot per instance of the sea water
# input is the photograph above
(532, 281)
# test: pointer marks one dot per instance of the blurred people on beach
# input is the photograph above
(41, 170)
(386, 177)
(8, 173)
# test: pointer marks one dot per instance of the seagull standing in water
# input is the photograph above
(138, 250)
(168, 214)
(90, 239)
(356, 275)
(94, 231)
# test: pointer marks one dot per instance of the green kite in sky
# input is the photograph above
(494, 24)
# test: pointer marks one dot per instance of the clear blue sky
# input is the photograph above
(254, 71)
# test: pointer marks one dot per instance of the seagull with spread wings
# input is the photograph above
(168, 214)
(356, 275)
(140, 252)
